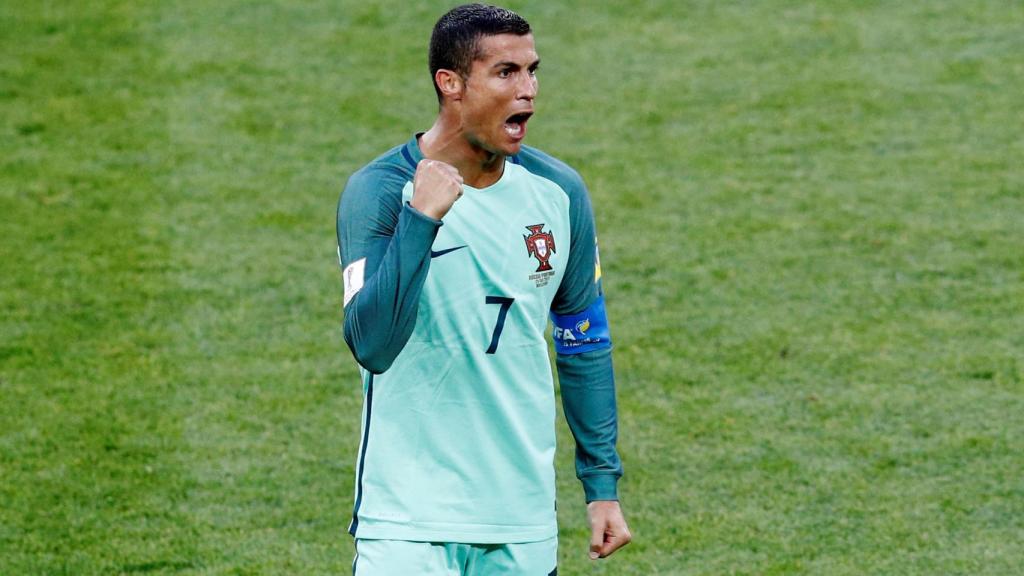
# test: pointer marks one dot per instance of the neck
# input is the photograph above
(445, 141)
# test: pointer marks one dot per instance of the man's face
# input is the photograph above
(498, 96)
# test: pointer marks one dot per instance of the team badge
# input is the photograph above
(540, 245)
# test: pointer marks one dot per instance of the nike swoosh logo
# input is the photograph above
(434, 254)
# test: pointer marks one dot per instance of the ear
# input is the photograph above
(450, 84)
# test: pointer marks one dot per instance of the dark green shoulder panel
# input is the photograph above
(372, 200)
(553, 169)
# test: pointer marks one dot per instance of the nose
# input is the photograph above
(527, 89)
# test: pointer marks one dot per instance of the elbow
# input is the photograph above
(375, 362)
(374, 358)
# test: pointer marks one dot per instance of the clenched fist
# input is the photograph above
(608, 529)
(435, 188)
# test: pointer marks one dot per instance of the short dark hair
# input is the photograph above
(455, 42)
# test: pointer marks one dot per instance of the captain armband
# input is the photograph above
(583, 332)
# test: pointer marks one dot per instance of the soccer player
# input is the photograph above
(456, 247)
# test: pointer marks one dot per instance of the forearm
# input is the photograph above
(381, 316)
(588, 397)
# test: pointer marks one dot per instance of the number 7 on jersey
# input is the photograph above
(505, 303)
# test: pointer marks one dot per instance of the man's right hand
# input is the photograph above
(435, 188)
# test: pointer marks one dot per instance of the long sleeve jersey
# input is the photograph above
(447, 321)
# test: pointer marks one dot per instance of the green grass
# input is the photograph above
(810, 227)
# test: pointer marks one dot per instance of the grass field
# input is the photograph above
(812, 222)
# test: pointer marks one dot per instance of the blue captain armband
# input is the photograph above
(583, 332)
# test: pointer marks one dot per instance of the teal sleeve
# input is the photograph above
(588, 397)
(395, 240)
(578, 288)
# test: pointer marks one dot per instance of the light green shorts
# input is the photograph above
(400, 557)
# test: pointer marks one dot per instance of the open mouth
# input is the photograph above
(515, 125)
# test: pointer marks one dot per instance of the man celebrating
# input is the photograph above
(456, 247)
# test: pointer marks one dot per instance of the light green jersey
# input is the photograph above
(458, 430)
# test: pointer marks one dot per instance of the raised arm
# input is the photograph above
(384, 250)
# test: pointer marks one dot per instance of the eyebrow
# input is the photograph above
(516, 65)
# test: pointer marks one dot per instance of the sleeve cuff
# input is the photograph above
(418, 230)
(421, 217)
(601, 487)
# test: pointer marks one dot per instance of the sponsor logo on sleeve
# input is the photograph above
(354, 277)
(583, 325)
(582, 332)
(575, 336)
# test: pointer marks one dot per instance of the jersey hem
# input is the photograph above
(460, 533)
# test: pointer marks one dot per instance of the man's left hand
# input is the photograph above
(608, 530)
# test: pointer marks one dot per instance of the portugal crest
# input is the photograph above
(540, 245)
